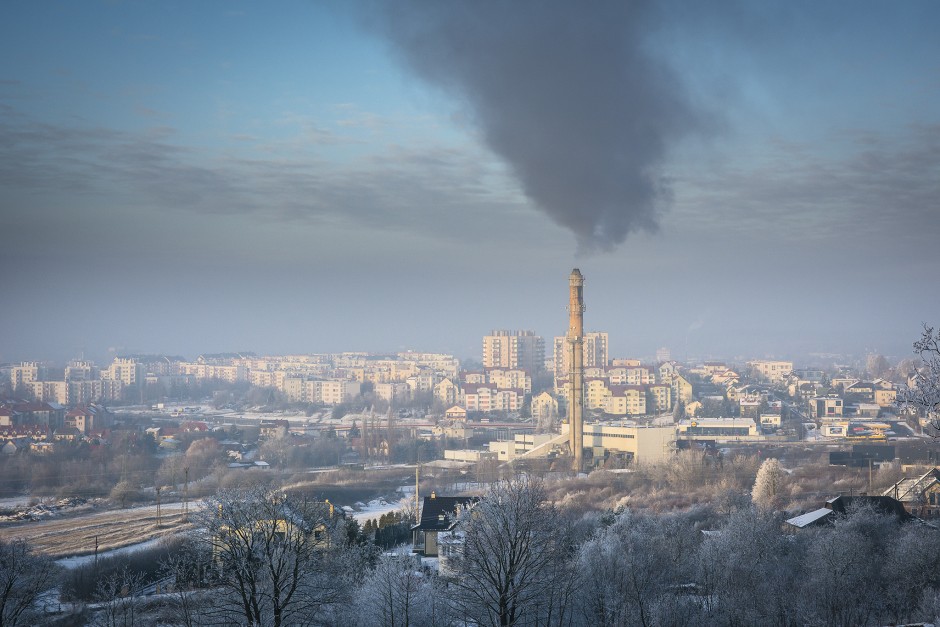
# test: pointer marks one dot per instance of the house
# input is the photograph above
(456, 413)
(919, 495)
(862, 391)
(829, 406)
(885, 397)
(32, 413)
(69, 434)
(11, 447)
(33, 432)
(439, 514)
(42, 447)
(87, 418)
(273, 428)
(842, 505)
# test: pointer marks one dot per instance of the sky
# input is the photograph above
(732, 179)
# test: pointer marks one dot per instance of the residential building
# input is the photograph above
(595, 351)
(544, 407)
(127, 370)
(510, 378)
(830, 406)
(439, 514)
(920, 495)
(447, 393)
(513, 349)
(772, 371)
(456, 413)
(660, 397)
(49, 391)
(88, 418)
(885, 397)
(24, 374)
(625, 400)
(485, 398)
(392, 392)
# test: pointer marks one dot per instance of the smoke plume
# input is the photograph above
(568, 94)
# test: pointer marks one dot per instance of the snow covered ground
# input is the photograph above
(82, 560)
(15, 501)
(375, 508)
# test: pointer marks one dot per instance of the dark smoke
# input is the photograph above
(567, 93)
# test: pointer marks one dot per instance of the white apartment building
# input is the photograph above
(595, 352)
(393, 392)
(513, 378)
(773, 371)
(513, 349)
(127, 370)
(484, 398)
(447, 393)
(24, 374)
(49, 391)
(329, 392)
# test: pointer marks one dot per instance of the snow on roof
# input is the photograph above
(809, 518)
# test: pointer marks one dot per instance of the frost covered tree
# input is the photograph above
(511, 569)
(630, 572)
(277, 559)
(747, 570)
(768, 492)
(845, 584)
(24, 577)
(400, 593)
(911, 567)
(119, 599)
(924, 394)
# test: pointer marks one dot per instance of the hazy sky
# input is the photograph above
(731, 178)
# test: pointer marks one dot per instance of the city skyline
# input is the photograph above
(189, 179)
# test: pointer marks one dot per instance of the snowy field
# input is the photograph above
(82, 560)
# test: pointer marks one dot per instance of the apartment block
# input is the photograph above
(595, 352)
(773, 371)
(513, 349)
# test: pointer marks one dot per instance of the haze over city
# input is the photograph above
(313, 177)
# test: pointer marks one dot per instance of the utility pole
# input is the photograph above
(186, 495)
(159, 519)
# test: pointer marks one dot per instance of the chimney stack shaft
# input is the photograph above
(575, 342)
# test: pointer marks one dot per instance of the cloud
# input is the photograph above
(865, 186)
(568, 95)
(425, 190)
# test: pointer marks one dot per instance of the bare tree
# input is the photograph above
(911, 569)
(924, 394)
(746, 570)
(512, 545)
(186, 571)
(277, 559)
(844, 583)
(632, 570)
(24, 577)
(400, 593)
(119, 599)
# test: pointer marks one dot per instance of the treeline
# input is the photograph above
(80, 468)
(266, 557)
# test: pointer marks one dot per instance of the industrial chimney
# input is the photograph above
(575, 345)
